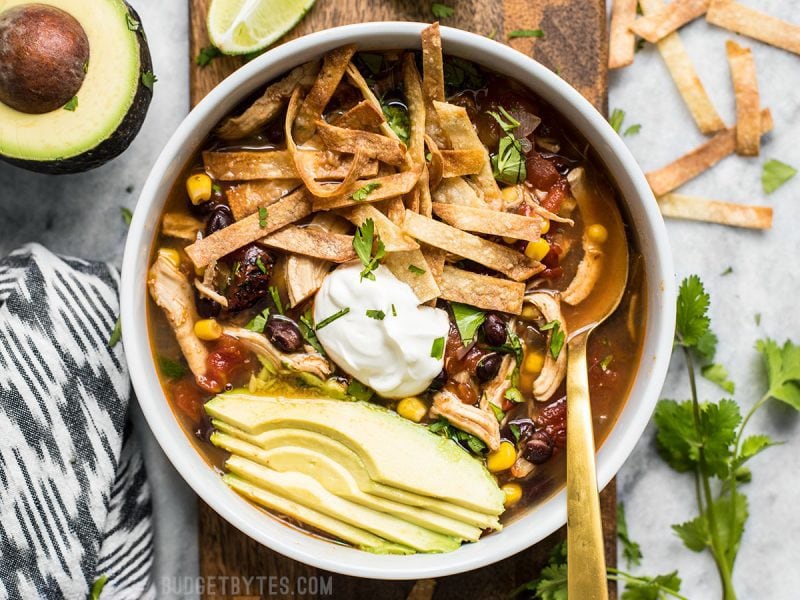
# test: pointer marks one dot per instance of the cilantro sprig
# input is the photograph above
(508, 164)
(369, 249)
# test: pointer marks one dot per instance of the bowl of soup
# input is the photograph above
(347, 293)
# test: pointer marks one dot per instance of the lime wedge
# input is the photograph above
(245, 26)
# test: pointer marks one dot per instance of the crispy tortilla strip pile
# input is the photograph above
(345, 165)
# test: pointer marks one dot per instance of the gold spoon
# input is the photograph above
(586, 565)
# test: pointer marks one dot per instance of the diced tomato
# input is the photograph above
(556, 194)
(224, 363)
(542, 174)
(188, 397)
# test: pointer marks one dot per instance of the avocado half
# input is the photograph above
(110, 103)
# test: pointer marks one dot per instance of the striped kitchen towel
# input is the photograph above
(74, 499)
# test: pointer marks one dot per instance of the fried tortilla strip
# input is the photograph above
(357, 79)
(669, 18)
(411, 268)
(284, 212)
(492, 222)
(304, 275)
(267, 107)
(685, 77)
(755, 24)
(621, 43)
(331, 73)
(246, 198)
(363, 115)
(373, 145)
(481, 291)
(435, 258)
(181, 226)
(415, 100)
(513, 264)
(388, 186)
(425, 200)
(310, 241)
(679, 206)
(393, 237)
(703, 157)
(462, 135)
(278, 164)
(456, 163)
(432, 80)
(457, 191)
(745, 87)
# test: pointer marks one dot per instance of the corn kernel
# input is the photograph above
(412, 408)
(510, 194)
(537, 250)
(510, 240)
(513, 493)
(530, 313)
(597, 233)
(534, 362)
(502, 458)
(199, 188)
(171, 255)
(208, 330)
(545, 227)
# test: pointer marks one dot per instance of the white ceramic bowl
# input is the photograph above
(643, 214)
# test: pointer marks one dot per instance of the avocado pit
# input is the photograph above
(44, 52)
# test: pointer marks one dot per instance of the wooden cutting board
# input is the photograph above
(575, 46)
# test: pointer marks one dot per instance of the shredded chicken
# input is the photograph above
(586, 276)
(307, 362)
(210, 293)
(181, 226)
(496, 389)
(554, 370)
(480, 423)
(522, 468)
(170, 289)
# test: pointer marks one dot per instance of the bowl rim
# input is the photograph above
(268, 530)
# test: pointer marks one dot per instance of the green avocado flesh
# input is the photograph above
(358, 465)
(111, 103)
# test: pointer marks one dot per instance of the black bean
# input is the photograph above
(284, 333)
(438, 381)
(539, 448)
(220, 218)
(206, 307)
(494, 330)
(251, 271)
(488, 366)
(525, 428)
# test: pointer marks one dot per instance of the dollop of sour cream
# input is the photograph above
(392, 355)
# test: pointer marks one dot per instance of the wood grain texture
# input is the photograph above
(575, 46)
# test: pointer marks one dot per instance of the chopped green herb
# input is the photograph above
(133, 24)
(371, 61)
(630, 549)
(515, 431)
(718, 374)
(493, 34)
(328, 320)
(498, 412)
(361, 193)
(171, 369)
(97, 587)
(468, 319)
(508, 164)
(692, 323)
(149, 79)
(441, 11)
(557, 337)
(276, 298)
(72, 104)
(363, 243)
(259, 322)
(727, 271)
(416, 270)
(260, 265)
(398, 119)
(514, 395)
(127, 215)
(308, 333)
(394, 311)
(758, 318)
(116, 335)
(437, 348)
(446, 429)
(378, 315)
(525, 33)
(86, 67)
(359, 391)
(263, 215)
(206, 55)
(632, 130)
(428, 157)
(616, 119)
(607, 360)
(235, 270)
(775, 174)
(216, 188)
(460, 74)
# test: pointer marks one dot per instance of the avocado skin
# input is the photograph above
(122, 137)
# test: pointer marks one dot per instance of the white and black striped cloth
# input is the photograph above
(74, 499)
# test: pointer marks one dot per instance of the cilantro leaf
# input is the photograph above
(307, 330)
(460, 74)
(730, 515)
(632, 130)
(630, 549)
(359, 391)
(468, 319)
(206, 55)
(97, 587)
(263, 215)
(372, 62)
(416, 270)
(398, 119)
(72, 104)
(363, 243)
(149, 79)
(133, 24)
(693, 326)
(753, 445)
(552, 583)
(361, 193)
(525, 33)
(718, 374)
(616, 119)
(330, 319)
(557, 337)
(378, 315)
(437, 348)
(276, 298)
(441, 11)
(116, 335)
(259, 322)
(127, 215)
(783, 370)
(651, 588)
(774, 174)
(498, 412)
(171, 369)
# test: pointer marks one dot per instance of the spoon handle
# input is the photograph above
(586, 564)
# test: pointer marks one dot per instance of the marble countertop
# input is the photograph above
(764, 281)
